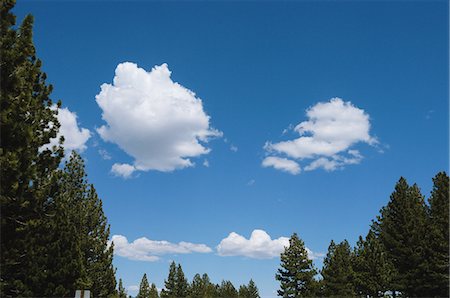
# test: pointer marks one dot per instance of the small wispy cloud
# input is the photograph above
(104, 154)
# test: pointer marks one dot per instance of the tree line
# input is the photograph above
(405, 252)
(177, 286)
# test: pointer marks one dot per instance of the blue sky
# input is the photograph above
(257, 68)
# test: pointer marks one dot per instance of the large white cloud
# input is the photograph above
(75, 138)
(144, 249)
(158, 122)
(258, 246)
(325, 140)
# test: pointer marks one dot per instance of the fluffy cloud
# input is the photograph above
(75, 138)
(282, 164)
(325, 138)
(258, 246)
(122, 170)
(158, 122)
(144, 249)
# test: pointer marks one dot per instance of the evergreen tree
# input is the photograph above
(252, 289)
(401, 227)
(153, 291)
(243, 291)
(27, 124)
(373, 271)
(182, 286)
(144, 288)
(249, 291)
(196, 289)
(170, 284)
(122, 293)
(337, 272)
(437, 253)
(297, 272)
(202, 287)
(66, 271)
(91, 226)
(227, 290)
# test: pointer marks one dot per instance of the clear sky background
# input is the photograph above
(257, 68)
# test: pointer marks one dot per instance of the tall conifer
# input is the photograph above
(401, 227)
(297, 272)
(25, 169)
(337, 271)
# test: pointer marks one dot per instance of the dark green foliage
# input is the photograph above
(144, 288)
(92, 227)
(297, 272)
(170, 284)
(373, 271)
(202, 287)
(121, 293)
(249, 291)
(153, 291)
(401, 227)
(438, 237)
(176, 284)
(227, 290)
(25, 170)
(337, 271)
(182, 283)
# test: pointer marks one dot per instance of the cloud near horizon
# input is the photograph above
(259, 246)
(326, 139)
(158, 122)
(144, 249)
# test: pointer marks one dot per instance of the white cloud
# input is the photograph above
(143, 249)
(326, 137)
(233, 148)
(283, 164)
(104, 154)
(158, 122)
(335, 162)
(75, 138)
(133, 288)
(122, 170)
(258, 246)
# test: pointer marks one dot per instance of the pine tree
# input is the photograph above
(337, 271)
(66, 270)
(122, 293)
(144, 288)
(91, 226)
(182, 285)
(401, 227)
(197, 288)
(249, 291)
(153, 291)
(97, 254)
(373, 271)
(252, 289)
(297, 272)
(25, 169)
(437, 253)
(170, 284)
(243, 291)
(227, 290)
